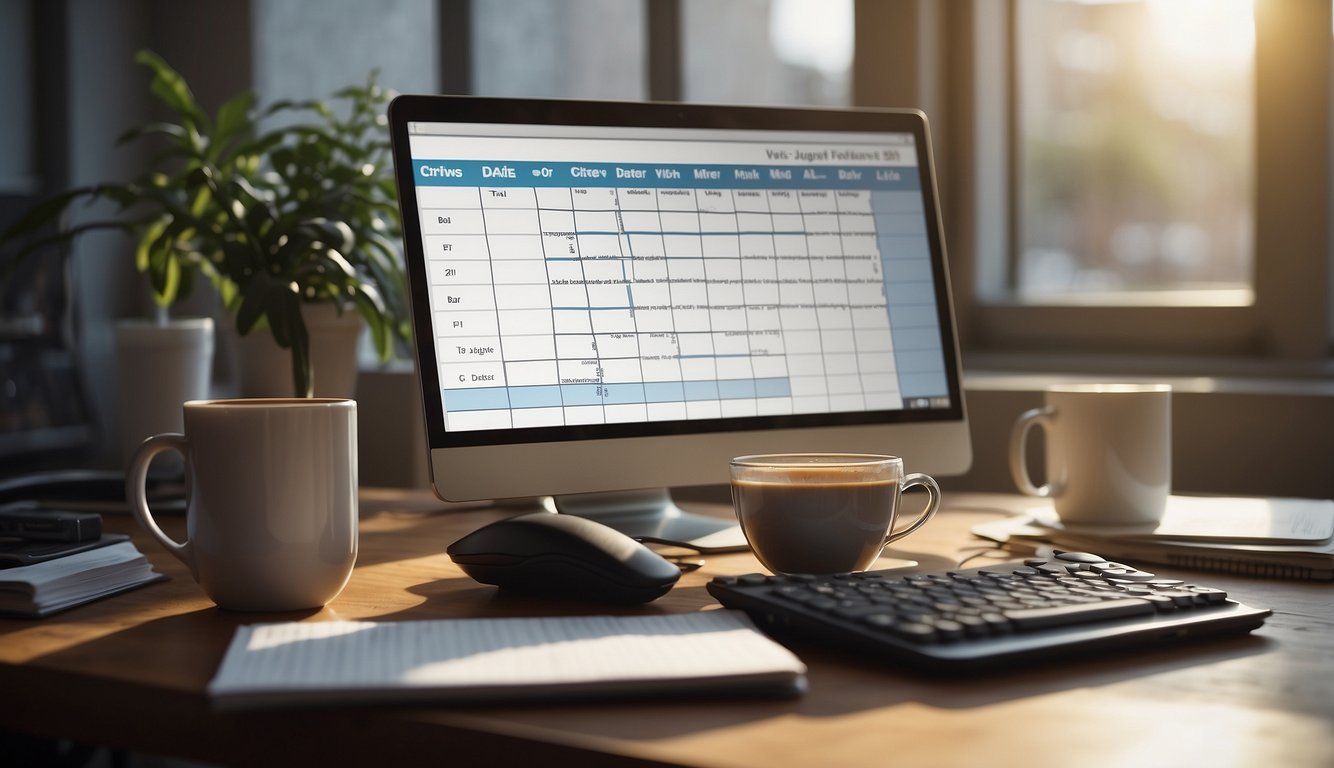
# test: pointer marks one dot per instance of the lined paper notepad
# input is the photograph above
(481, 660)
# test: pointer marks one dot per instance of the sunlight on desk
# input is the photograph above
(99, 672)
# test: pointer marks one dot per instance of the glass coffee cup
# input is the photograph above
(824, 512)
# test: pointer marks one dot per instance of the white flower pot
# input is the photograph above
(264, 369)
(159, 367)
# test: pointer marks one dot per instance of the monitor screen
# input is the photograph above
(612, 296)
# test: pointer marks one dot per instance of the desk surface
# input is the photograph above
(130, 672)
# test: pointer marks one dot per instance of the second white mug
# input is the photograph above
(1108, 453)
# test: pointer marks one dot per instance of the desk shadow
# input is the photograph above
(463, 597)
(187, 647)
(880, 684)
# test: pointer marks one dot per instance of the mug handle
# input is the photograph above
(932, 503)
(136, 478)
(1019, 445)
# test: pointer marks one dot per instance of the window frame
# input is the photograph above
(962, 63)
(49, 111)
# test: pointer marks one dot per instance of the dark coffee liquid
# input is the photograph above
(815, 527)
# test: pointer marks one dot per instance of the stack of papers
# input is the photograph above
(1282, 538)
(499, 659)
(54, 585)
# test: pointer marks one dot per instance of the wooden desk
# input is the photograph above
(130, 672)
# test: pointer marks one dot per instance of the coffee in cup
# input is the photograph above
(823, 512)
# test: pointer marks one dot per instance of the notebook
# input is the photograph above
(49, 585)
(501, 659)
(1277, 537)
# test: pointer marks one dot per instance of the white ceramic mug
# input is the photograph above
(1108, 453)
(272, 513)
(823, 512)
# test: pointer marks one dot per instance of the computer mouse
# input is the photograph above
(557, 555)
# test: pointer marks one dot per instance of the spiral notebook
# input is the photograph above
(501, 659)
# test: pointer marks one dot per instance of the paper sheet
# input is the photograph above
(474, 659)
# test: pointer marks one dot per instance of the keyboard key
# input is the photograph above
(1181, 597)
(975, 626)
(1040, 618)
(997, 623)
(1160, 603)
(1079, 557)
(949, 629)
(860, 611)
(916, 632)
(1211, 596)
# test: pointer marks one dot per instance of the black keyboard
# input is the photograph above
(980, 617)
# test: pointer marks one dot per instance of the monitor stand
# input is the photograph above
(651, 516)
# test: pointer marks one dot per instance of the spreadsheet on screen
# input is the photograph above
(663, 274)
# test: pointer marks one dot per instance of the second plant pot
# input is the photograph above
(263, 369)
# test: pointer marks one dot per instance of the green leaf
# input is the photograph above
(171, 130)
(171, 281)
(260, 145)
(373, 313)
(147, 241)
(233, 118)
(289, 330)
(253, 301)
(171, 90)
(187, 284)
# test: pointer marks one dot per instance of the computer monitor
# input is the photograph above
(613, 299)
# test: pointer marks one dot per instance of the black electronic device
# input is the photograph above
(564, 556)
(987, 617)
(64, 485)
(89, 490)
(15, 553)
(28, 522)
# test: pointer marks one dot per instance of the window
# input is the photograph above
(1213, 242)
(762, 52)
(1134, 151)
(17, 168)
(311, 48)
(591, 49)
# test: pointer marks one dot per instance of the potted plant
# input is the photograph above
(277, 219)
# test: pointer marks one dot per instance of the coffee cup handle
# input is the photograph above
(932, 503)
(135, 481)
(1019, 447)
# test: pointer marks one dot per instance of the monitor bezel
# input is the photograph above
(408, 109)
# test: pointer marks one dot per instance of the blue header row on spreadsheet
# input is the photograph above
(472, 173)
